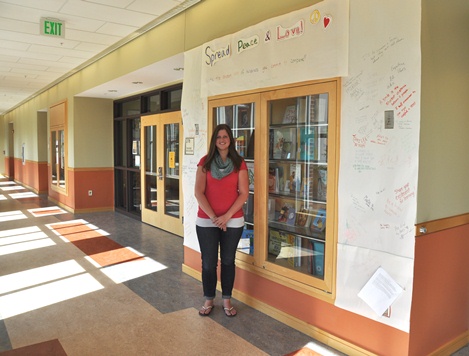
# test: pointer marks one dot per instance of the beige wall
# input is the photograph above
(93, 133)
(42, 136)
(4, 140)
(444, 136)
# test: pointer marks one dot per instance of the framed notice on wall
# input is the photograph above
(189, 146)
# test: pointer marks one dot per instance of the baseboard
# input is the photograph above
(94, 210)
(316, 333)
(34, 190)
(80, 211)
(452, 346)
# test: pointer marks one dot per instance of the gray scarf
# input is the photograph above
(220, 169)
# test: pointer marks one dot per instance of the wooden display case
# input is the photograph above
(290, 233)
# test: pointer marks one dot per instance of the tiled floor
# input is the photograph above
(106, 284)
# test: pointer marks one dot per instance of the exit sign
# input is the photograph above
(52, 27)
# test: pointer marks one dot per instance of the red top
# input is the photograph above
(221, 194)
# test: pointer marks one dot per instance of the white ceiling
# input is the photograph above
(31, 62)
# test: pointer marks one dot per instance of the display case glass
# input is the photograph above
(297, 182)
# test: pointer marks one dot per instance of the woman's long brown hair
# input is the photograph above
(213, 151)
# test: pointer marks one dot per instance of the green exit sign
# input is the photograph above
(52, 27)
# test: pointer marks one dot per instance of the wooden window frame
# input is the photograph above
(58, 124)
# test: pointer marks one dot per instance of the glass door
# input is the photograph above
(161, 183)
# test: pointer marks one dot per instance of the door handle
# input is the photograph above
(160, 173)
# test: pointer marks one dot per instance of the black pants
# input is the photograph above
(209, 240)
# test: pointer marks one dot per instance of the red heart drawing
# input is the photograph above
(327, 21)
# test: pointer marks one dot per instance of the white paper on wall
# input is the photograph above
(380, 291)
(194, 118)
(307, 44)
(379, 166)
(357, 265)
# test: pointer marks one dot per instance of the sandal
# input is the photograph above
(229, 312)
(205, 311)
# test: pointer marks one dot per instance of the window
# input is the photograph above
(58, 146)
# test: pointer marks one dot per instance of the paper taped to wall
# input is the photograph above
(380, 291)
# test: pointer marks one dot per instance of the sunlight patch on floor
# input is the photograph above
(12, 215)
(40, 275)
(50, 210)
(15, 239)
(26, 246)
(117, 262)
(20, 231)
(23, 195)
(23, 239)
(14, 187)
(127, 271)
(322, 350)
(48, 294)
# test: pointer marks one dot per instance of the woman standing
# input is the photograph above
(221, 189)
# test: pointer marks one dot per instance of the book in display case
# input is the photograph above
(297, 183)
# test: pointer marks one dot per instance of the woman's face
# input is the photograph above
(223, 140)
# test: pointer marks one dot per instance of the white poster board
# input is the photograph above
(310, 43)
(379, 153)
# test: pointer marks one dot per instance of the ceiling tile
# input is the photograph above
(27, 54)
(50, 5)
(60, 51)
(116, 3)
(156, 8)
(106, 13)
(98, 38)
(19, 46)
(116, 29)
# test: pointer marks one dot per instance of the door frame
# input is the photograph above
(158, 218)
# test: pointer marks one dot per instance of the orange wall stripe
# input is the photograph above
(440, 306)
(100, 181)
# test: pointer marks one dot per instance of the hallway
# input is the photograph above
(106, 284)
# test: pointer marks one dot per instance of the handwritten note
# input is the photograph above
(404, 193)
(401, 99)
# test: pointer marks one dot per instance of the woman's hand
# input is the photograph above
(220, 221)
